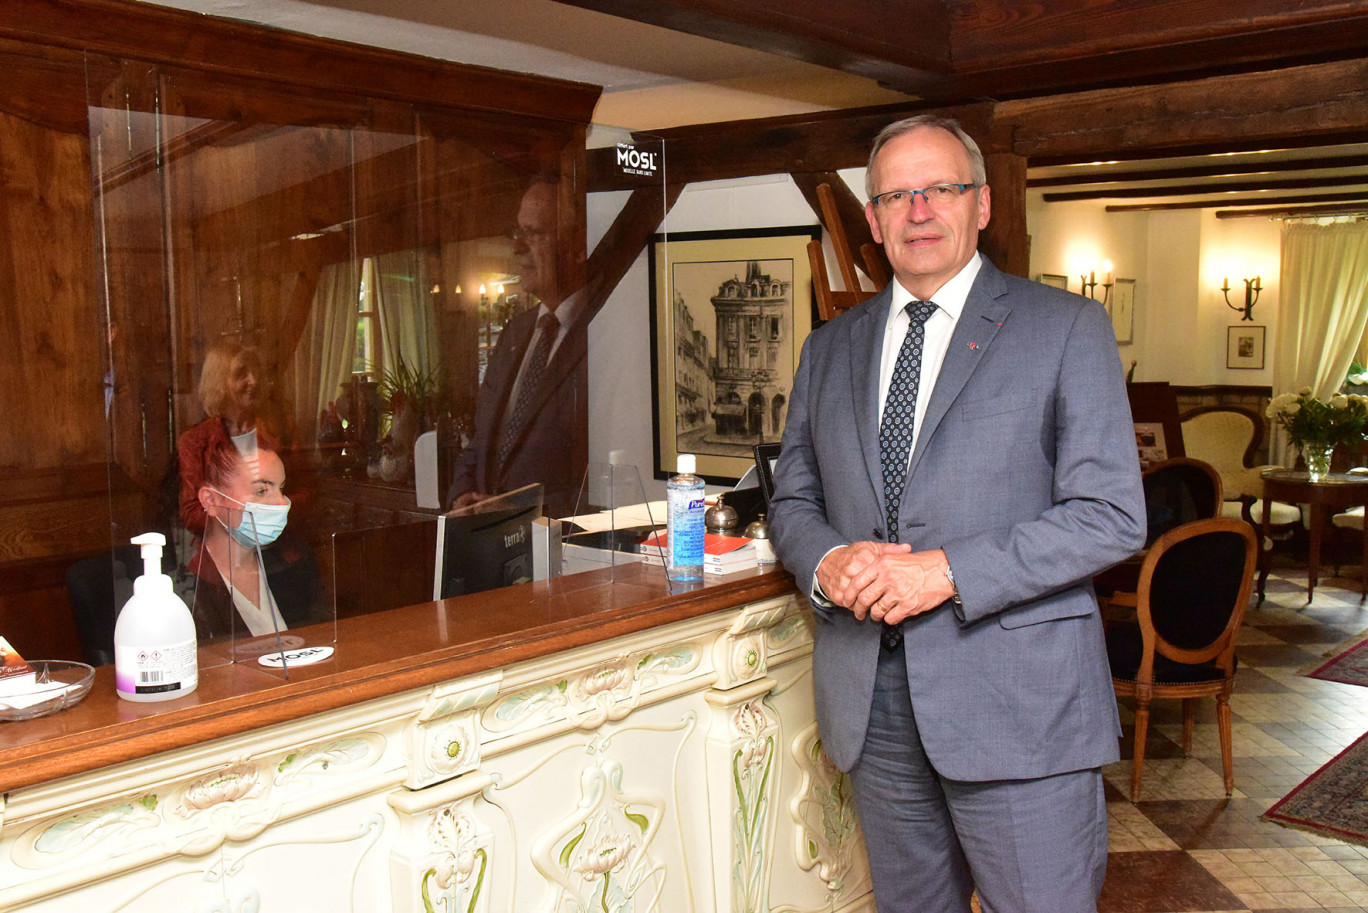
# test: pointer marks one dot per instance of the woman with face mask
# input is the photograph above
(244, 565)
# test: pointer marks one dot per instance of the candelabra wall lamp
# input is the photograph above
(1252, 289)
(1089, 284)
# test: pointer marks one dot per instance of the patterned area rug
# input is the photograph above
(1332, 800)
(1348, 663)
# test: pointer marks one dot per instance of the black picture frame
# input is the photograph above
(766, 455)
(757, 284)
(1245, 344)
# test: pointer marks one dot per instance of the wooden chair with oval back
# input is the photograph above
(1230, 439)
(1193, 590)
(1177, 491)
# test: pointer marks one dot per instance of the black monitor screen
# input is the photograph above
(482, 551)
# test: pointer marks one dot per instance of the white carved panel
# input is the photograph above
(675, 770)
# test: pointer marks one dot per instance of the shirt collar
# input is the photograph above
(949, 298)
(567, 312)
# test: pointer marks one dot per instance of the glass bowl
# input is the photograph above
(61, 684)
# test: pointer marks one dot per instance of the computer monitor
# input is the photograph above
(488, 547)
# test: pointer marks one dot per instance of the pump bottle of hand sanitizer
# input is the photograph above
(155, 655)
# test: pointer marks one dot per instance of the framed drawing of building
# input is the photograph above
(730, 311)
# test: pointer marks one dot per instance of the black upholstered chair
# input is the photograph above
(1194, 587)
(1179, 491)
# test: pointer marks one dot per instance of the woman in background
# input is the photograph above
(232, 392)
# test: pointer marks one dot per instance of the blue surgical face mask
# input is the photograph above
(260, 524)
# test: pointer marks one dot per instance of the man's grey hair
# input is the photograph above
(978, 172)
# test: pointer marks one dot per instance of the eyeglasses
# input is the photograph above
(527, 235)
(933, 196)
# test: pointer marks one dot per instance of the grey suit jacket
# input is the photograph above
(1025, 472)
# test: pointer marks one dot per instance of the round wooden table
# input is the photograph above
(1338, 490)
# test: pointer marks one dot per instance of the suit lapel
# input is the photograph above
(866, 351)
(568, 356)
(985, 311)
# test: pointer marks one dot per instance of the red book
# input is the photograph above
(721, 554)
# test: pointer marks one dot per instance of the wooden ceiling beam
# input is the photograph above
(890, 42)
(826, 141)
(1325, 102)
(1226, 168)
(1251, 201)
(1189, 190)
(1292, 212)
(951, 51)
(1013, 48)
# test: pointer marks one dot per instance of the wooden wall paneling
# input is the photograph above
(50, 384)
(232, 48)
(44, 86)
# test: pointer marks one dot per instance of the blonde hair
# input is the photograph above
(218, 368)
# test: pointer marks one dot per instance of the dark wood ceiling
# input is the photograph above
(1135, 103)
(954, 51)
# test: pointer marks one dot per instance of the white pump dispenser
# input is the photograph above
(155, 655)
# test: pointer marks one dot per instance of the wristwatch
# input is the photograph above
(950, 575)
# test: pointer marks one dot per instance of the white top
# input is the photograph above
(259, 621)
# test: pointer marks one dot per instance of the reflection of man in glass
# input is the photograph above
(532, 415)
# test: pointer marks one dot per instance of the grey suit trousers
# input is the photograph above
(1029, 846)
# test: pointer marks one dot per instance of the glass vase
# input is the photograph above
(1317, 457)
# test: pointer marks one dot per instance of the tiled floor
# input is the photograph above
(1186, 847)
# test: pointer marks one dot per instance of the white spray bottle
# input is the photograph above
(155, 656)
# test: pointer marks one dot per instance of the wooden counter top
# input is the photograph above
(377, 655)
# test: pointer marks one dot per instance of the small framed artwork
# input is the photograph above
(1056, 281)
(1149, 442)
(1123, 311)
(731, 311)
(1245, 347)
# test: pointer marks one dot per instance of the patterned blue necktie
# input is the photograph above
(548, 326)
(895, 430)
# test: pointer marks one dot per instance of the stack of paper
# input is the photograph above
(721, 554)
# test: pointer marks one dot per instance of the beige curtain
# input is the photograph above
(1323, 308)
(323, 359)
(408, 326)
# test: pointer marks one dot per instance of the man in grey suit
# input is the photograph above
(945, 493)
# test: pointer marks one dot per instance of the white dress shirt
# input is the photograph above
(940, 326)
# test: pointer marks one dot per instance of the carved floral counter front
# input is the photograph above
(585, 748)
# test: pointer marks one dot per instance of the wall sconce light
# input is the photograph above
(1252, 289)
(1089, 283)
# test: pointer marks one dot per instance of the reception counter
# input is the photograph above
(582, 744)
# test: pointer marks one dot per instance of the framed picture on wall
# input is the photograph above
(1123, 311)
(730, 311)
(1245, 347)
(1055, 280)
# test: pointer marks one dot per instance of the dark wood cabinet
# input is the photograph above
(171, 181)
